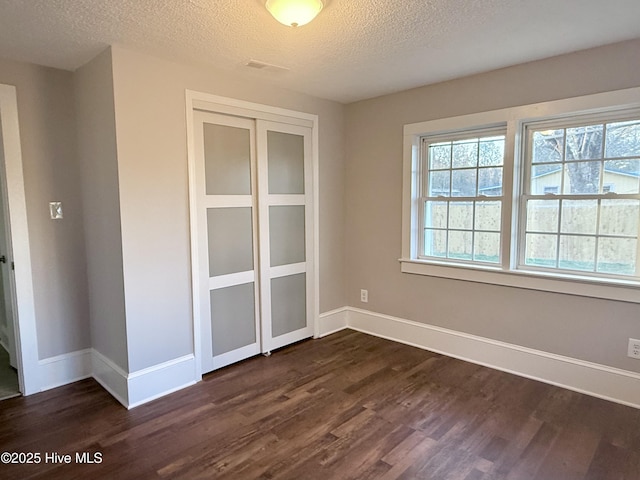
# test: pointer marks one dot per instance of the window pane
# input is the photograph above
(435, 243)
(288, 304)
(617, 256)
(619, 217)
(577, 253)
(287, 234)
(582, 177)
(230, 240)
(622, 176)
(584, 143)
(463, 183)
(623, 139)
(542, 215)
(460, 245)
(286, 162)
(440, 156)
(490, 181)
(435, 214)
(579, 216)
(541, 250)
(439, 183)
(488, 216)
(227, 155)
(491, 151)
(546, 179)
(461, 215)
(465, 153)
(233, 322)
(486, 247)
(548, 146)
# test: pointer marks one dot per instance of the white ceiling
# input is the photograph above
(355, 49)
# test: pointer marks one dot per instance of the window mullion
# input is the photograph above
(446, 242)
(559, 234)
(563, 162)
(423, 185)
(510, 196)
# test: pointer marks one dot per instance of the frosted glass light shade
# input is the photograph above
(294, 13)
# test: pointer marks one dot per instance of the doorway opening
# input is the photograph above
(18, 345)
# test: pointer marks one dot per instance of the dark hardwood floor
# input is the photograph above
(347, 406)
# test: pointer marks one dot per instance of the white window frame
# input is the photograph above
(423, 193)
(526, 194)
(507, 273)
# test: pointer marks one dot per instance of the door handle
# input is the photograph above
(3, 259)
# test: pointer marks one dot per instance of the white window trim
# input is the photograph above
(514, 118)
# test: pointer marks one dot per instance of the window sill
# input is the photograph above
(620, 290)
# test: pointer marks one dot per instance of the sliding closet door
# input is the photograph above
(225, 183)
(286, 233)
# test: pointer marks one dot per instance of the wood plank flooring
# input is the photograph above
(349, 406)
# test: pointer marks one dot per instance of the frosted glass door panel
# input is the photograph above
(230, 234)
(288, 304)
(227, 154)
(286, 232)
(233, 323)
(286, 163)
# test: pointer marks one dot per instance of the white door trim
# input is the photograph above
(18, 240)
(230, 106)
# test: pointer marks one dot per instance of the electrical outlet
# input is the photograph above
(634, 348)
(364, 296)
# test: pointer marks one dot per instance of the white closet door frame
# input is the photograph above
(229, 106)
(267, 200)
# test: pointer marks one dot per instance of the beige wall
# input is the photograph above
(131, 142)
(584, 328)
(152, 163)
(96, 140)
(47, 129)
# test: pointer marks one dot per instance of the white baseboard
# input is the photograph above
(143, 386)
(620, 386)
(64, 369)
(137, 388)
(112, 378)
(160, 380)
(333, 321)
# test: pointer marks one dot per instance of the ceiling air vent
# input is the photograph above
(267, 67)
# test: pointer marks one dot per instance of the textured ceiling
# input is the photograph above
(355, 49)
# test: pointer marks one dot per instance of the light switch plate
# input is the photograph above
(55, 209)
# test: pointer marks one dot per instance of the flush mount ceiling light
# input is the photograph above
(294, 13)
